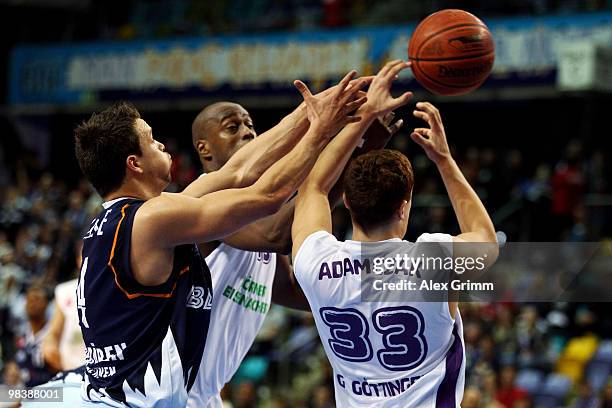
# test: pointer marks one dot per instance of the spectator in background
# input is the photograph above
(472, 398)
(11, 379)
(508, 393)
(12, 277)
(607, 395)
(322, 397)
(489, 390)
(34, 370)
(246, 395)
(586, 398)
(567, 189)
(530, 337)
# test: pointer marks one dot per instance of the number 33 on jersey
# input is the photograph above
(384, 354)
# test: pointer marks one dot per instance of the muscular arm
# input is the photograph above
(312, 210)
(253, 159)
(273, 233)
(173, 219)
(474, 221)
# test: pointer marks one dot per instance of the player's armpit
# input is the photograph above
(285, 290)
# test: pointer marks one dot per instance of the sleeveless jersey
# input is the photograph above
(242, 292)
(383, 353)
(143, 343)
(71, 347)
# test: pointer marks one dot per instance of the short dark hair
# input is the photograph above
(375, 184)
(103, 143)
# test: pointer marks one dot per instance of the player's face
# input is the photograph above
(156, 161)
(36, 303)
(232, 129)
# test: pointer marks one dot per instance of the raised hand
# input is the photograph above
(327, 91)
(432, 139)
(380, 100)
(330, 110)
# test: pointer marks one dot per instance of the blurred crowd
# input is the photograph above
(189, 17)
(78, 20)
(518, 355)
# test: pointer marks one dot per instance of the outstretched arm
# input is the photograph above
(312, 211)
(475, 223)
(273, 233)
(173, 219)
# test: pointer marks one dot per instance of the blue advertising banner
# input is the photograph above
(526, 50)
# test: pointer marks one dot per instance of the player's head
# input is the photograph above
(378, 190)
(36, 301)
(116, 146)
(219, 131)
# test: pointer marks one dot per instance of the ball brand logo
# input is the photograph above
(474, 71)
(464, 43)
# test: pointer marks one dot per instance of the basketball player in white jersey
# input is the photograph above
(384, 354)
(63, 347)
(144, 291)
(249, 269)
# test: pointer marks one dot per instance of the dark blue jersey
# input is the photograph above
(144, 343)
(34, 369)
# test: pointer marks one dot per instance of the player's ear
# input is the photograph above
(402, 211)
(345, 201)
(204, 151)
(134, 164)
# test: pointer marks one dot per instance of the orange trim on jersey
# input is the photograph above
(110, 263)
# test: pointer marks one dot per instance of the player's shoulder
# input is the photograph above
(317, 244)
(438, 240)
(435, 237)
(230, 253)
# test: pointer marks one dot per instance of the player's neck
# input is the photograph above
(37, 324)
(381, 233)
(135, 189)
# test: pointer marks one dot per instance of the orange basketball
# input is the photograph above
(452, 52)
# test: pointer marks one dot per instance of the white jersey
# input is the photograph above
(384, 354)
(242, 292)
(71, 347)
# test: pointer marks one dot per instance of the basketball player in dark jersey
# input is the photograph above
(144, 292)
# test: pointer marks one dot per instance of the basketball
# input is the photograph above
(452, 52)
